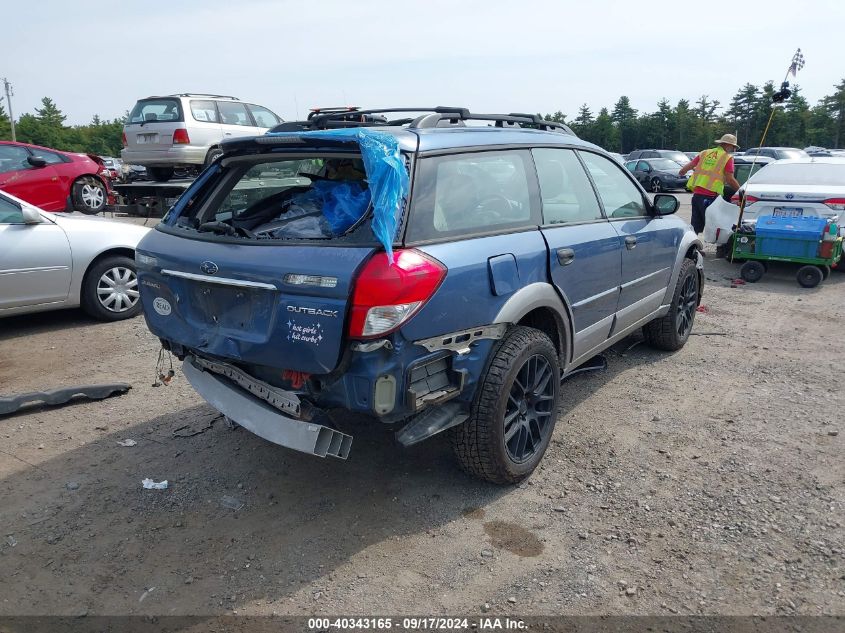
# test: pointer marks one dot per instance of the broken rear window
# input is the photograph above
(302, 198)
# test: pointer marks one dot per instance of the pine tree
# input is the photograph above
(624, 117)
(5, 125)
(741, 113)
(834, 105)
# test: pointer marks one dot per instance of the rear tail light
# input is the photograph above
(180, 137)
(837, 204)
(123, 139)
(387, 295)
(748, 199)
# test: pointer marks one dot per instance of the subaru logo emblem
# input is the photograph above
(209, 268)
(790, 196)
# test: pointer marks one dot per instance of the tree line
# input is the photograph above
(693, 126)
(46, 126)
(687, 126)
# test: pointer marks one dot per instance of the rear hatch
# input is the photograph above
(256, 261)
(151, 124)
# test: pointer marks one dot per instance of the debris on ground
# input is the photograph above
(127, 442)
(149, 484)
(231, 502)
(63, 395)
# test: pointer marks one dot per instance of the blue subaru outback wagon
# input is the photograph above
(439, 271)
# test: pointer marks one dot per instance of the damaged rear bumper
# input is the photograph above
(262, 419)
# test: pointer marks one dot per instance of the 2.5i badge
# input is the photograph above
(162, 306)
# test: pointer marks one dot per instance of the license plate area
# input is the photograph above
(146, 139)
(788, 212)
(246, 312)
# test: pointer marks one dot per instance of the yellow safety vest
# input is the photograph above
(710, 171)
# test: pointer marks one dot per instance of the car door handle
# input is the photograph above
(630, 242)
(565, 256)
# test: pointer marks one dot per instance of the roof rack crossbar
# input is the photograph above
(202, 94)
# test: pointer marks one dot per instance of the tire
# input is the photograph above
(752, 271)
(213, 154)
(809, 276)
(656, 185)
(670, 332)
(487, 445)
(89, 195)
(116, 272)
(825, 272)
(160, 174)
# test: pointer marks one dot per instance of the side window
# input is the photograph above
(13, 158)
(51, 157)
(642, 166)
(565, 189)
(233, 113)
(263, 117)
(204, 111)
(471, 193)
(631, 165)
(10, 213)
(619, 195)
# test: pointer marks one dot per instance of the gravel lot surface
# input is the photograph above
(709, 481)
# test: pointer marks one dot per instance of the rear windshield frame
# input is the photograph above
(140, 104)
(359, 235)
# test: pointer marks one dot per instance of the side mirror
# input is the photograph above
(30, 215)
(36, 161)
(665, 204)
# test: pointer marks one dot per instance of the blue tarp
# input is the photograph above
(386, 175)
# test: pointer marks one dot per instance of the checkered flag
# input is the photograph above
(797, 62)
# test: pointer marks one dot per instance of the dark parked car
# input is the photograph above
(671, 154)
(778, 153)
(433, 275)
(657, 174)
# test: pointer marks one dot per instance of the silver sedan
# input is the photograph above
(50, 261)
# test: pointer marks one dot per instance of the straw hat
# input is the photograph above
(728, 139)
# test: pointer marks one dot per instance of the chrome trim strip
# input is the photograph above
(595, 297)
(40, 269)
(222, 281)
(641, 279)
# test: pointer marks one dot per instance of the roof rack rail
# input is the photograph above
(323, 118)
(202, 94)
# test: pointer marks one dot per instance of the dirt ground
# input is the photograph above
(708, 481)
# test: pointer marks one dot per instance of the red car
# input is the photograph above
(54, 180)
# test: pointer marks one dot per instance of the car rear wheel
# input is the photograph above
(110, 289)
(89, 195)
(160, 174)
(656, 185)
(213, 154)
(671, 332)
(515, 409)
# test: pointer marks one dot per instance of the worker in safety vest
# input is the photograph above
(712, 168)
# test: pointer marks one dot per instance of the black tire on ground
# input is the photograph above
(160, 174)
(752, 271)
(89, 195)
(515, 409)
(213, 154)
(825, 272)
(656, 185)
(671, 332)
(809, 276)
(116, 273)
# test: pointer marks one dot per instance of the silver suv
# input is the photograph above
(185, 130)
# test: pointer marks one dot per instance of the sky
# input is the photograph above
(490, 56)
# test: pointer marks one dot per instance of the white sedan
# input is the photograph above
(50, 261)
(805, 187)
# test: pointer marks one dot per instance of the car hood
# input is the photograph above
(664, 172)
(117, 233)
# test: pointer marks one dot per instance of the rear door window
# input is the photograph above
(204, 110)
(263, 117)
(619, 195)
(473, 193)
(565, 189)
(156, 110)
(233, 113)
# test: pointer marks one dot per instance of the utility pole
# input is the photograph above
(9, 93)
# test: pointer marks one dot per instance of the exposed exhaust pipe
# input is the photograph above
(262, 419)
